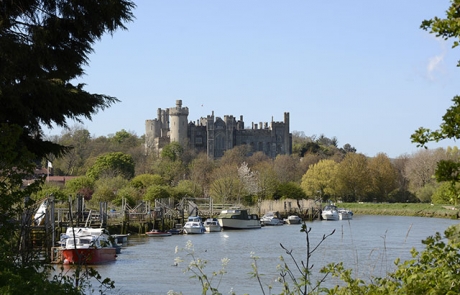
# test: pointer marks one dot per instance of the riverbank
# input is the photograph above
(403, 209)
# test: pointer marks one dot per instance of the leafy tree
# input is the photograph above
(106, 189)
(353, 177)
(44, 45)
(383, 176)
(172, 151)
(143, 181)
(187, 188)
(446, 28)
(225, 185)
(157, 192)
(266, 180)
(290, 190)
(111, 165)
(81, 185)
(320, 179)
(48, 190)
(200, 170)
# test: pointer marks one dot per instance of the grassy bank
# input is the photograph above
(403, 209)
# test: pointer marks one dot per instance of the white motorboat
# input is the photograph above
(194, 225)
(330, 213)
(238, 219)
(345, 214)
(293, 219)
(212, 225)
(87, 245)
(271, 218)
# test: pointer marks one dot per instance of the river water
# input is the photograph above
(367, 244)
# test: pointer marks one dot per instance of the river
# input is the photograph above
(367, 244)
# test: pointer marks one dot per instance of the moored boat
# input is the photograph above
(193, 227)
(212, 225)
(345, 214)
(293, 219)
(271, 219)
(330, 213)
(158, 233)
(238, 219)
(81, 245)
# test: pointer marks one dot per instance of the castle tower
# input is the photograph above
(287, 135)
(178, 123)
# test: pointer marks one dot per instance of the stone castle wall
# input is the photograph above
(215, 135)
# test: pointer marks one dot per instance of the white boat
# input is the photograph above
(238, 219)
(330, 213)
(271, 219)
(345, 214)
(87, 245)
(293, 219)
(194, 225)
(212, 225)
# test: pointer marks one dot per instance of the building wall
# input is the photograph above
(215, 135)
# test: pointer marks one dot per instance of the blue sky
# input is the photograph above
(361, 71)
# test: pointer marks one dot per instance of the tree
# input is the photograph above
(290, 190)
(445, 28)
(44, 45)
(286, 168)
(320, 179)
(383, 176)
(111, 165)
(353, 177)
(421, 168)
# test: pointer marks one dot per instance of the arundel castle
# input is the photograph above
(215, 135)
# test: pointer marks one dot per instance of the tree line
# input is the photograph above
(118, 167)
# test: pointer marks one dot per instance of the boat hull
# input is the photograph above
(194, 230)
(294, 220)
(158, 234)
(226, 223)
(89, 256)
(212, 228)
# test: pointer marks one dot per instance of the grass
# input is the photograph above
(403, 209)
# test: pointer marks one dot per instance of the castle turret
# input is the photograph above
(178, 123)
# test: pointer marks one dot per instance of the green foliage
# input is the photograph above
(320, 179)
(290, 190)
(145, 180)
(50, 189)
(172, 151)
(444, 194)
(187, 188)
(129, 193)
(82, 185)
(111, 165)
(106, 189)
(44, 46)
(157, 192)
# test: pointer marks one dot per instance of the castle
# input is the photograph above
(214, 135)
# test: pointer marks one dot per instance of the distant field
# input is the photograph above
(403, 209)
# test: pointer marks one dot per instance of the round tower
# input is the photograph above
(178, 122)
